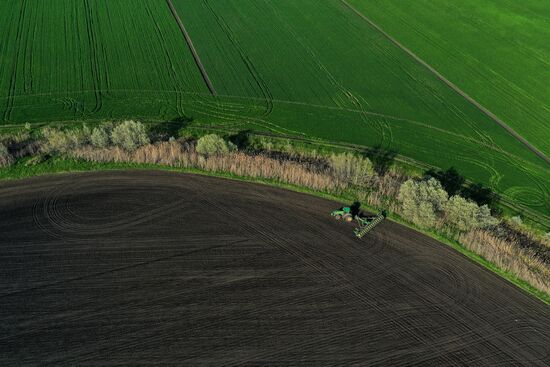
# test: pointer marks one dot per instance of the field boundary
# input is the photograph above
(451, 85)
(534, 216)
(189, 42)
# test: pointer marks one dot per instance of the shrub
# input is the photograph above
(187, 135)
(516, 221)
(450, 179)
(58, 141)
(484, 217)
(261, 143)
(351, 168)
(6, 159)
(212, 144)
(129, 135)
(466, 215)
(100, 137)
(84, 135)
(422, 200)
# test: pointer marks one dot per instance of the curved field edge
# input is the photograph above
(67, 166)
(526, 177)
(521, 179)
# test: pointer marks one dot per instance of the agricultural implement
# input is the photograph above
(366, 223)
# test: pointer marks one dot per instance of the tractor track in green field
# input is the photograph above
(189, 42)
(450, 84)
(297, 103)
(349, 98)
(251, 68)
(13, 77)
(95, 70)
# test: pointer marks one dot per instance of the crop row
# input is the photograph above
(67, 59)
(497, 51)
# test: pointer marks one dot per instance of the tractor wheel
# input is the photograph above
(348, 218)
(337, 216)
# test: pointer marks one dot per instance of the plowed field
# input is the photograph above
(164, 268)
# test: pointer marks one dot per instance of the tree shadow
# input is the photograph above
(166, 129)
(450, 179)
(455, 184)
(482, 195)
(381, 158)
(241, 139)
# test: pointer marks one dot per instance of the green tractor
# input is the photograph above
(366, 223)
(344, 213)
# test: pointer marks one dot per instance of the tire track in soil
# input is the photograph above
(230, 273)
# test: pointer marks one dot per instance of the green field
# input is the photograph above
(306, 68)
(65, 60)
(498, 51)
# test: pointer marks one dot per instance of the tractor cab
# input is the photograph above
(343, 213)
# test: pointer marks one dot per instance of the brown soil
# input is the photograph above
(149, 267)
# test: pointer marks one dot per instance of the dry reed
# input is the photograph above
(509, 256)
(175, 155)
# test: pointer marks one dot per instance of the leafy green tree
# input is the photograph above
(422, 201)
(58, 141)
(450, 179)
(6, 159)
(481, 195)
(466, 215)
(129, 135)
(484, 217)
(100, 137)
(351, 168)
(213, 144)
